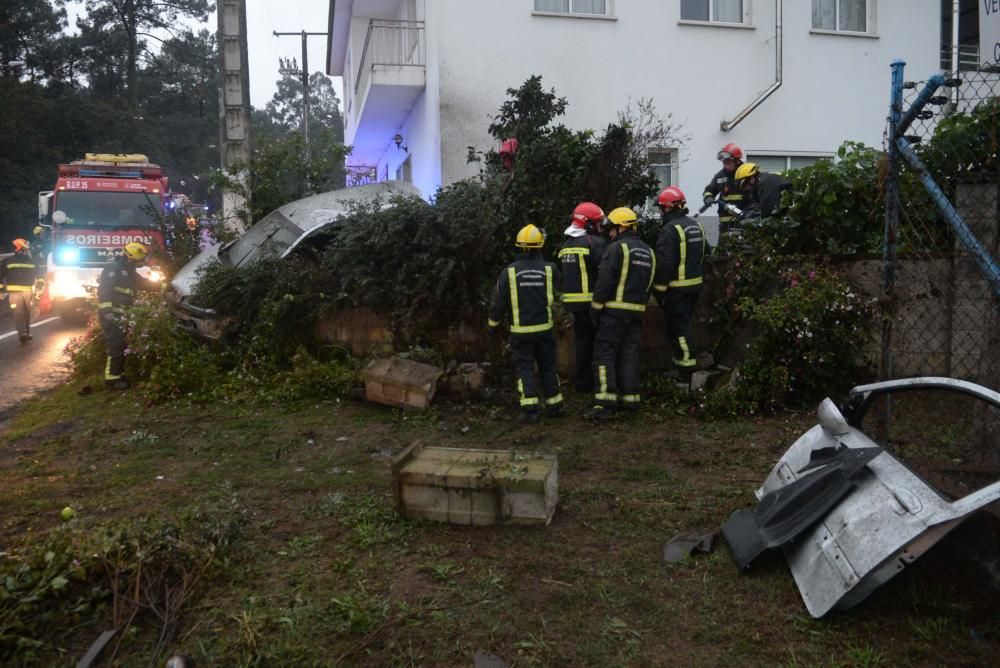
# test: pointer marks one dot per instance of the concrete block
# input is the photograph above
(396, 381)
(475, 487)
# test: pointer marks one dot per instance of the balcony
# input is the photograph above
(390, 78)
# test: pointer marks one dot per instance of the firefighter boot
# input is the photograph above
(118, 384)
(528, 416)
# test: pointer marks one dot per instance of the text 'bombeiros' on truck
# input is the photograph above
(99, 204)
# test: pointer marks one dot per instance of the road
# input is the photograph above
(35, 366)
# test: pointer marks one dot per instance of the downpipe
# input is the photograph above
(726, 126)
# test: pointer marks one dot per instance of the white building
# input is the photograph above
(432, 73)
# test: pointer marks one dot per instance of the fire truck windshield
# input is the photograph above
(95, 208)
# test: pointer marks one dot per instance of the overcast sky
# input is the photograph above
(263, 18)
(266, 16)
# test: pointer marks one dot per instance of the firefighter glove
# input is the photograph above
(708, 199)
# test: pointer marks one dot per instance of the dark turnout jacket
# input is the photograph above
(723, 186)
(579, 261)
(524, 294)
(118, 284)
(19, 272)
(625, 278)
(680, 250)
(766, 198)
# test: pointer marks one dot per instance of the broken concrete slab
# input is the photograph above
(475, 487)
(396, 381)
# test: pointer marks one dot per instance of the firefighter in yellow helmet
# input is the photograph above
(624, 283)
(762, 191)
(524, 294)
(115, 292)
(20, 279)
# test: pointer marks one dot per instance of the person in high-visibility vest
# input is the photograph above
(20, 279)
(624, 282)
(680, 251)
(115, 292)
(579, 258)
(524, 294)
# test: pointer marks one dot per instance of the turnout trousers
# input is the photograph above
(114, 339)
(584, 332)
(678, 311)
(616, 361)
(535, 367)
(20, 304)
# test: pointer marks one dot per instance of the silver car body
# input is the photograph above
(891, 519)
(279, 233)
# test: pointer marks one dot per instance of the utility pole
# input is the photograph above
(235, 145)
(304, 73)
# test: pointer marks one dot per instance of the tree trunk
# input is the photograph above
(133, 48)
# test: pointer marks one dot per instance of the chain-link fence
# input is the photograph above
(940, 301)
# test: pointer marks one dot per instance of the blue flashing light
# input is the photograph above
(69, 255)
(111, 173)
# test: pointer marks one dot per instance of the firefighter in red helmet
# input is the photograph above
(579, 259)
(680, 249)
(723, 186)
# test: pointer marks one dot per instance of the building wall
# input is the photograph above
(835, 87)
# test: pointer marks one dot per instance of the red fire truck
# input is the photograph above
(99, 204)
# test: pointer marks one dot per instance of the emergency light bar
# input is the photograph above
(110, 172)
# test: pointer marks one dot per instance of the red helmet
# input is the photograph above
(730, 152)
(587, 213)
(671, 197)
(20, 245)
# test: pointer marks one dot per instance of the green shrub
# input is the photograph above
(810, 339)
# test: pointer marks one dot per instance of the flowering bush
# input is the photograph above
(810, 339)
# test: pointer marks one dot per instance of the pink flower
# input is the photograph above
(812, 274)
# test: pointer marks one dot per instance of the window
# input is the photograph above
(405, 171)
(724, 11)
(779, 163)
(841, 15)
(661, 164)
(572, 6)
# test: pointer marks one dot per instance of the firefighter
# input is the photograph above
(21, 279)
(624, 282)
(578, 262)
(680, 250)
(524, 295)
(761, 191)
(723, 186)
(40, 247)
(116, 291)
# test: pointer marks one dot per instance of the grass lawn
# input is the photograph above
(320, 571)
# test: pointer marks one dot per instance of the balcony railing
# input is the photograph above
(393, 43)
(361, 175)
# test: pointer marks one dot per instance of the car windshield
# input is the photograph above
(109, 209)
(269, 237)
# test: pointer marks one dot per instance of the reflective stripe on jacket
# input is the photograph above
(524, 294)
(680, 250)
(723, 186)
(118, 284)
(579, 260)
(625, 278)
(19, 272)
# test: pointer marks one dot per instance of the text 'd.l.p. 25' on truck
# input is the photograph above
(99, 204)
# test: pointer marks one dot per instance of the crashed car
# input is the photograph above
(848, 514)
(278, 234)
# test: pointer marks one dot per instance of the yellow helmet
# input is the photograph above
(530, 237)
(745, 171)
(136, 251)
(38, 231)
(623, 216)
